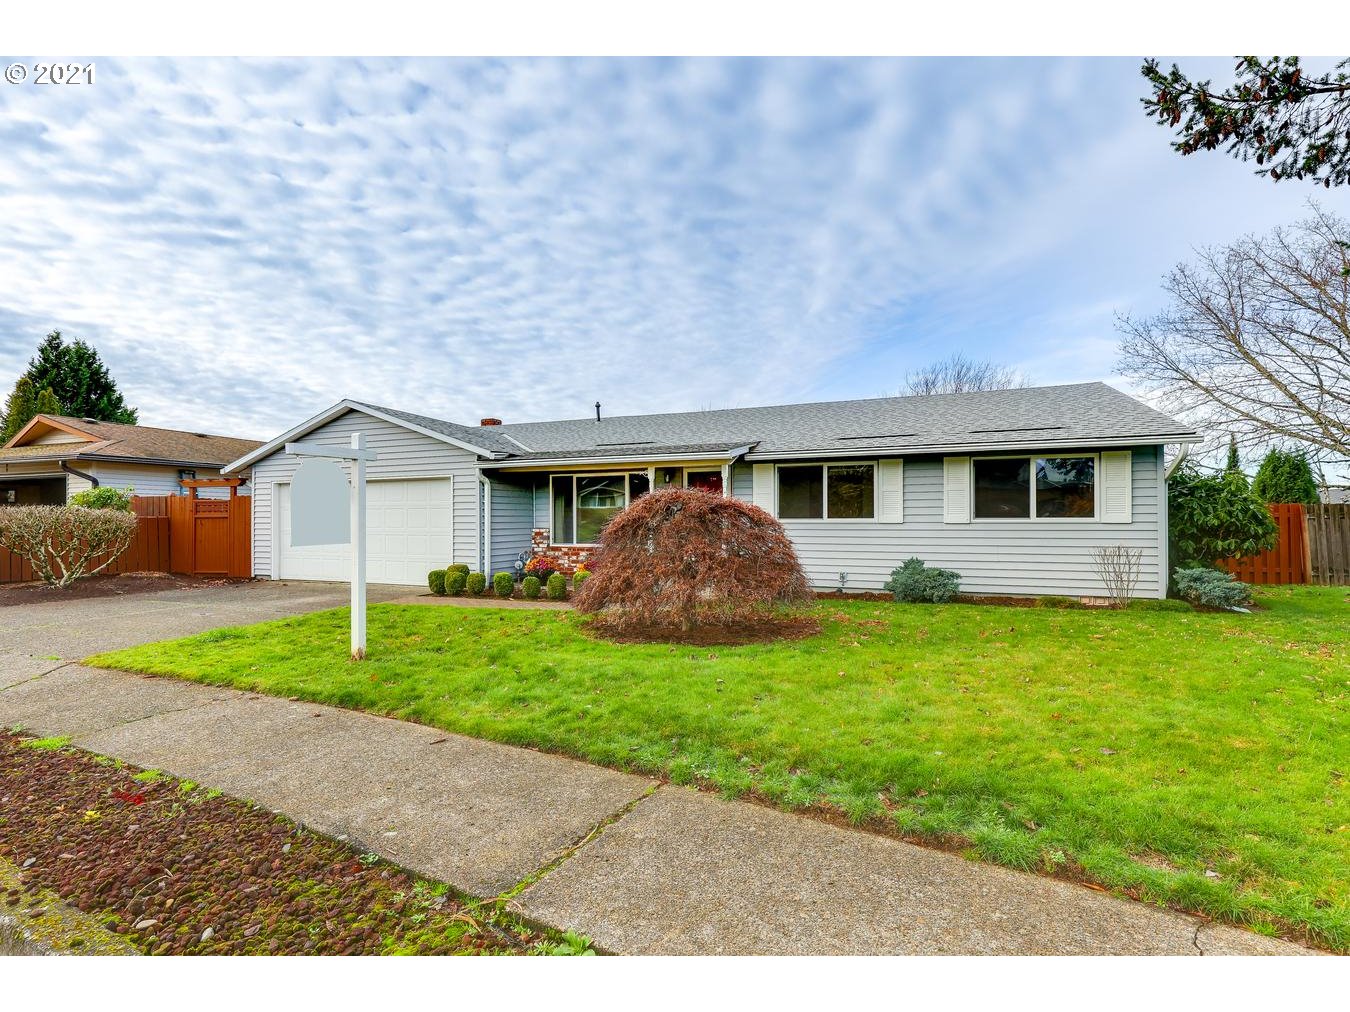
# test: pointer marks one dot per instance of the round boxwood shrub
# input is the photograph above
(557, 587)
(436, 581)
(475, 584)
(104, 497)
(579, 577)
(458, 567)
(529, 588)
(502, 584)
(914, 581)
(455, 582)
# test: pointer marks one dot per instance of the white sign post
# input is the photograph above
(305, 521)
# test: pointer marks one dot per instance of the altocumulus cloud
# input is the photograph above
(248, 241)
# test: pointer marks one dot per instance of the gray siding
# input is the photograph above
(151, 479)
(512, 524)
(402, 454)
(993, 557)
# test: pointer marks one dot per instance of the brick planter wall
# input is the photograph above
(571, 556)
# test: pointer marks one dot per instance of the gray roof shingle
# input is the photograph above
(1059, 415)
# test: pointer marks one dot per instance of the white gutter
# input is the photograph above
(1176, 461)
(644, 459)
(855, 450)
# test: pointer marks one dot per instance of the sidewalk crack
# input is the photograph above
(567, 852)
(40, 674)
(1195, 938)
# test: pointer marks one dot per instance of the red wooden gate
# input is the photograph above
(211, 537)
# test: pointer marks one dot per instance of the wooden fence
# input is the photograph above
(174, 534)
(1329, 543)
(1288, 561)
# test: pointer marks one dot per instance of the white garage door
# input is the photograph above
(407, 535)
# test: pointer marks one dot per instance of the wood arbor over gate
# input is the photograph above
(211, 537)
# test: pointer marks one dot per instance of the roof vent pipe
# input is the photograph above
(597, 411)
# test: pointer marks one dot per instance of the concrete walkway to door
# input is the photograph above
(637, 866)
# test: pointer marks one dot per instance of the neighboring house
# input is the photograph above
(1013, 489)
(1336, 495)
(54, 456)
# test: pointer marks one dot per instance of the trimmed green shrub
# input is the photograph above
(103, 498)
(436, 582)
(475, 584)
(580, 577)
(914, 581)
(529, 588)
(1212, 588)
(557, 587)
(458, 567)
(503, 584)
(455, 582)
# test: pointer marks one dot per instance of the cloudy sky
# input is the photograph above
(247, 242)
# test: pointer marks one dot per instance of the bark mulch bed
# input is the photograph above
(178, 869)
(794, 628)
(106, 586)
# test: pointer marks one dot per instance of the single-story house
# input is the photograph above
(55, 456)
(1013, 489)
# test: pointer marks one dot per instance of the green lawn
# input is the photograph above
(1195, 759)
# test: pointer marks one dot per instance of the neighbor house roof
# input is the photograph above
(1074, 415)
(88, 439)
(1080, 414)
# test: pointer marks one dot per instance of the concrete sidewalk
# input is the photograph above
(638, 867)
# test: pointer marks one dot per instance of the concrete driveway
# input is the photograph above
(40, 637)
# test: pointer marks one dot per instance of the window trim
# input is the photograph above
(572, 476)
(824, 465)
(1031, 459)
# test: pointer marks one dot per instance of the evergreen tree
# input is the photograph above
(1285, 476)
(19, 408)
(47, 404)
(79, 379)
(1234, 465)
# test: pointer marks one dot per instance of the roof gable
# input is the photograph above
(92, 439)
(446, 432)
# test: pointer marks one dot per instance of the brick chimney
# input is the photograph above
(490, 421)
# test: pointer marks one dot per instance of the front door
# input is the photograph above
(708, 481)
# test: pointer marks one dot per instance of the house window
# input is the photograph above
(1066, 486)
(1062, 487)
(827, 491)
(584, 503)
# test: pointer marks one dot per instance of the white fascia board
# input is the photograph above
(851, 452)
(337, 411)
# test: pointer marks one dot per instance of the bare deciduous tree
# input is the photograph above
(1257, 339)
(1119, 568)
(958, 375)
(63, 543)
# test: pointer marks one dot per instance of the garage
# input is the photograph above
(407, 534)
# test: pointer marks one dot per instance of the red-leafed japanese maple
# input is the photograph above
(677, 559)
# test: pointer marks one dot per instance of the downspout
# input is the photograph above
(485, 530)
(1182, 454)
(93, 482)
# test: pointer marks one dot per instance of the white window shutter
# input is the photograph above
(956, 490)
(761, 488)
(1117, 487)
(890, 480)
